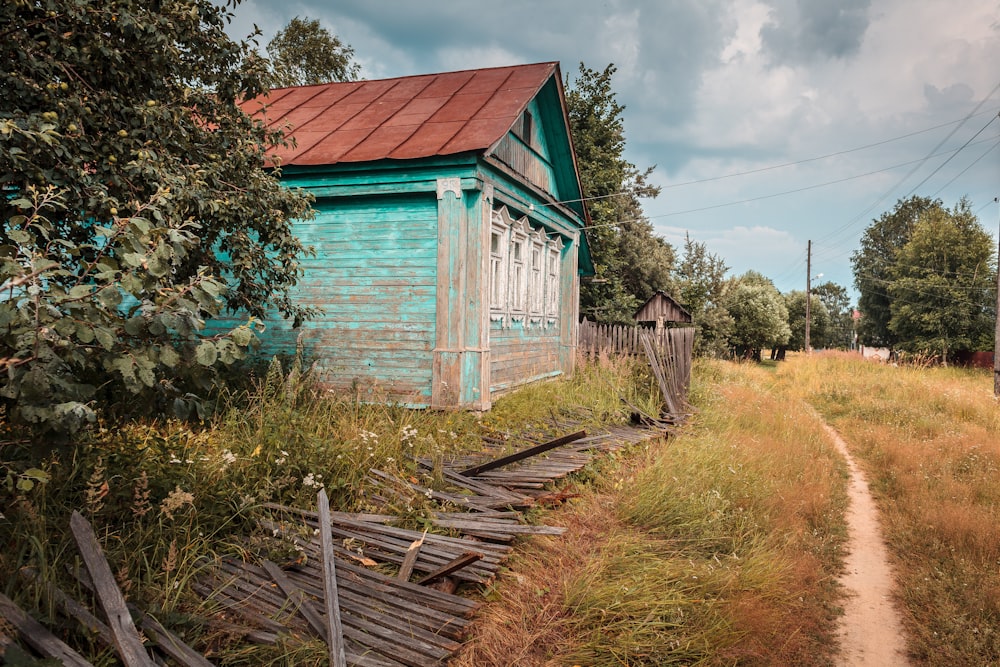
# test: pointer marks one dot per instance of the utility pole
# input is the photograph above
(809, 248)
(996, 333)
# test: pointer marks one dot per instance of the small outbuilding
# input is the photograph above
(660, 309)
(448, 235)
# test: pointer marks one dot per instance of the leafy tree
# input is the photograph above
(837, 303)
(944, 284)
(819, 320)
(304, 53)
(700, 285)
(631, 263)
(137, 205)
(760, 318)
(873, 262)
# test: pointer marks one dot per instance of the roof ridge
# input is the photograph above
(553, 63)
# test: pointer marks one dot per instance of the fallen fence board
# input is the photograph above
(127, 640)
(524, 454)
(335, 631)
(38, 637)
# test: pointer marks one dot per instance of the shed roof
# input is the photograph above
(663, 305)
(403, 118)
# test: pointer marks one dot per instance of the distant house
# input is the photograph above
(448, 231)
(660, 309)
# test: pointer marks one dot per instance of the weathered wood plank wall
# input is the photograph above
(673, 348)
(374, 274)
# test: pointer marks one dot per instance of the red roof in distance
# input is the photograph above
(403, 118)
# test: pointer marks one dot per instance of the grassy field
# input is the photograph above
(929, 439)
(717, 547)
(164, 495)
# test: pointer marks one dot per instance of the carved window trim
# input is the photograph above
(553, 273)
(524, 272)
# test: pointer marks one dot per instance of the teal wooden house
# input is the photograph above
(448, 232)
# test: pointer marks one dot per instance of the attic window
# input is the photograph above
(524, 127)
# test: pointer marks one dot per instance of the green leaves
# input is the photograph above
(305, 53)
(206, 354)
(109, 278)
(631, 263)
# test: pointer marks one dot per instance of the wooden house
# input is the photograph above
(448, 233)
(660, 309)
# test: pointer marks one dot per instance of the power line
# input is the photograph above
(813, 159)
(940, 166)
(888, 192)
(959, 174)
(804, 188)
(772, 167)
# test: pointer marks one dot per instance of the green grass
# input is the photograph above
(718, 547)
(163, 495)
(929, 440)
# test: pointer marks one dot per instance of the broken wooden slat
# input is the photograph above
(298, 599)
(127, 640)
(38, 637)
(520, 456)
(510, 528)
(406, 569)
(170, 643)
(72, 608)
(454, 566)
(335, 636)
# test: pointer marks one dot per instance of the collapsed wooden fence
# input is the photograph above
(379, 594)
(669, 352)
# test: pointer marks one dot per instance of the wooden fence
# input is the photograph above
(669, 352)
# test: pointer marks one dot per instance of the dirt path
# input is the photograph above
(870, 631)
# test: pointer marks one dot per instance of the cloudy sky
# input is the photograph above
(771, 122)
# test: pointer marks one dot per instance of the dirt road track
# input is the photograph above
(870, 632)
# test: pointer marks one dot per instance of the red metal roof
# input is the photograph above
(407, 117)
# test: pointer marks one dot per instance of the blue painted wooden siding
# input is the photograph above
(374, 274)
(520, 354)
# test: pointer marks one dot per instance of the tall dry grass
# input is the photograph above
(718, 547)
(929, 440)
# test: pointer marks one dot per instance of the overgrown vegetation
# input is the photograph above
(718, 547)
(135, 205)
(929, 439)
(163, 495)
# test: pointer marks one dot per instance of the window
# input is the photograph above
(498, 267)
(554, 251)
(524, 272)
(518, 252)
(536, 302)
(524, 126)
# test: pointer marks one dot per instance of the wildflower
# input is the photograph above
(97, 489)
(140, 496)
(228, 458)
(174, 501)
(312, 480)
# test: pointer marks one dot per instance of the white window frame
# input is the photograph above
(499, 247)
(536, 269)
(518, 281)
(553, 275)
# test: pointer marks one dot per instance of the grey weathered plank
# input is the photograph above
(127, 640)
(38, 637)
(462, 561)
(301, 603)
(406, 569)
(335, 636)
(519, 456)
(171, 644)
